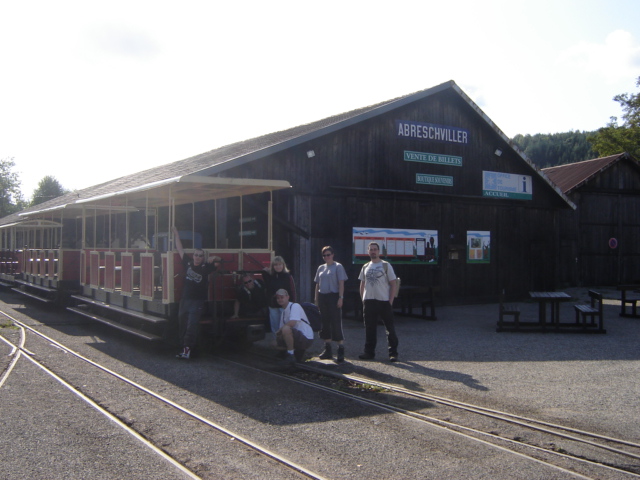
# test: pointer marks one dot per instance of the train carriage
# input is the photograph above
(111, 258)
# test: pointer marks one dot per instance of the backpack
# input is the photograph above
(385, 265)
(312, 312)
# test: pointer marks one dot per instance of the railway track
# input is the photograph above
(140, 430)
(552, 444)
(569, 452)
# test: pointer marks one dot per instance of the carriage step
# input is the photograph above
(119, 326)
(39, 287)
(33, 295)
(116, 308)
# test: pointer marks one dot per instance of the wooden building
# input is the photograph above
(599, 240)
(429, 175)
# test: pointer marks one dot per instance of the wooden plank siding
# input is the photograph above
(358, 177)
(608, 206)
(350, 170)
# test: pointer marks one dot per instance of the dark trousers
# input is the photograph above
(331, 317)
(372, 310)
(189, 316)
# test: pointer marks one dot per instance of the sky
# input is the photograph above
(94, 90)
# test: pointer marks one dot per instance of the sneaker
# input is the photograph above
(186, 353)
(366, 356)
(327, 354)
(393, 357)
(289, 360)
(340, 358)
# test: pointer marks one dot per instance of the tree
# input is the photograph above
(616, 138)
(551, 149)
(47, 189)
(11, 200)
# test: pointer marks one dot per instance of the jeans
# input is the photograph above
(189, 316)
(274, 318)
(372, 309)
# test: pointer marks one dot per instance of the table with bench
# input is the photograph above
(593, 311)
(424, 295)
(552, 299)
(629, 294)
(408, 298)
(588, 318)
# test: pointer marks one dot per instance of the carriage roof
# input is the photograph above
(177, 191)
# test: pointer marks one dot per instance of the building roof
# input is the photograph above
(573, 175)
(239, 153)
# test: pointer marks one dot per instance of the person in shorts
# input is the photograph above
(295, 333)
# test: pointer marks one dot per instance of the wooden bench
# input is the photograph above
(507, 309)
(430, 302)
(631, 299)
(593, 310)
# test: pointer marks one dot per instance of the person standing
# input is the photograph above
(195, 292)
(378, 290)
(275, 277)
(329, 296)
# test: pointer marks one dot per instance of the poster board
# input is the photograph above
(478, 246)
(397, 245)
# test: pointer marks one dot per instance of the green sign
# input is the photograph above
(426, 179)
(432, 158)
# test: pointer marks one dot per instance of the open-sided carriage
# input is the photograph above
(111, 257)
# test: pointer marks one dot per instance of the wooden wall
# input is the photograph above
(608, 207)
(359, 178)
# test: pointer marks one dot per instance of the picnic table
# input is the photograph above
(408, 297)
(424, 295)
(553, 299)
(631, 298)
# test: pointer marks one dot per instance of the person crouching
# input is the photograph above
(295, 333)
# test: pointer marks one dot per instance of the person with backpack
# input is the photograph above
(330, 279)
(295, 333)
(378, 290)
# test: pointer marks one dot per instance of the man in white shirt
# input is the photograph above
(295, 332)
(377, 290)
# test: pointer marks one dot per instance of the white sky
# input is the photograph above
(91, 91)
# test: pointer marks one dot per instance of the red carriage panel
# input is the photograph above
(110, 271)
(42, 266)
(83, 268)
(30, 262)
(166, 286)
(19, 262)
(229, 261)
(178, 277)
(94, 269)
(127, 274)
(52, 264)
(69, 265)
(146, 276)
(252, 262)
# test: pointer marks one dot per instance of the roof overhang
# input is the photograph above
(32, 224)
(183, 190)
(180, 190)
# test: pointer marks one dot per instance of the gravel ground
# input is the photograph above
(588, 381)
